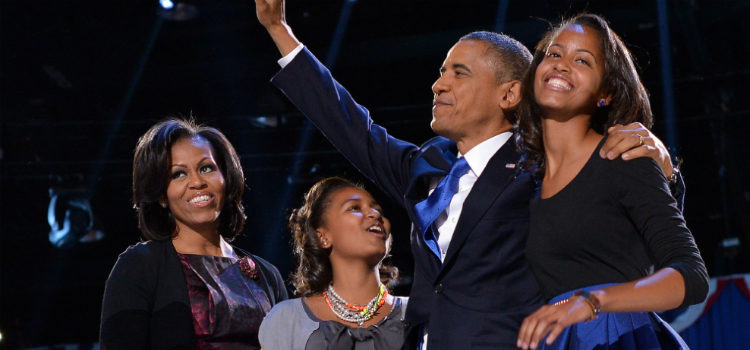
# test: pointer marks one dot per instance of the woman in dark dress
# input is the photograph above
(607, 241)
(185, 286)
(340, 238)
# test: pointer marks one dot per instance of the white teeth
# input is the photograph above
(201, 198)
(557, 82)
(375, 228)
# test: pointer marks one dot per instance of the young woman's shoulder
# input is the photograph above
(637, 166)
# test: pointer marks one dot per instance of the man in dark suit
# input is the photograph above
(472, 287)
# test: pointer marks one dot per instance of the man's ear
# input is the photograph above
(510, 94)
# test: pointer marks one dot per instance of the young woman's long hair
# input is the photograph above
(629, 102)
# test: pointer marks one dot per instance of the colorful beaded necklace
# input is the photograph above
(354, 313)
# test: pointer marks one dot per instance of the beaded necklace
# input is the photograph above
(354, 313)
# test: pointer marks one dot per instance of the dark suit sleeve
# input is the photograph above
(646, 196)
(127, 303)
(382, 158)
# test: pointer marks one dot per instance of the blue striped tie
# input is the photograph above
(429, 209)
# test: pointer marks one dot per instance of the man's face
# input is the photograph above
(466, 104)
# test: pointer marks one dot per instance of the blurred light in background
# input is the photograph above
(264, 121)
(178, 11)
(70, 218)
(166, 4)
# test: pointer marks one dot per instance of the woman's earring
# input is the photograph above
(163, 205)
(602, 103)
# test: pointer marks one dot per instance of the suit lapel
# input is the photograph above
(497, 175)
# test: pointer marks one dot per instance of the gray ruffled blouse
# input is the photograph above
(291, 325)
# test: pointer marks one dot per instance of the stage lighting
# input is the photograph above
(166, 4)
(176, 10)
(70, 218)
(264, 121)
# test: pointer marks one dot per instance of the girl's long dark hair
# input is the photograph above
(314, 272)
(629, 102)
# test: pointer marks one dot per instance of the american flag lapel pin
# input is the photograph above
(510, 166)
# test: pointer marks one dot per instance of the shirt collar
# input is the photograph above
(226, 249)
(480, 155)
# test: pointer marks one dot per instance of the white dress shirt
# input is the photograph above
(477, 158)
(290, 56)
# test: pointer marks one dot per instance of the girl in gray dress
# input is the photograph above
(340, 239)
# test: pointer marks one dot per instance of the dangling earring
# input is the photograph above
(602, 103)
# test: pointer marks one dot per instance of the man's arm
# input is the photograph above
(635, 141)
(309, 85)
(271, 14)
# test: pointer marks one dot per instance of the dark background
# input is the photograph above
(82, 80)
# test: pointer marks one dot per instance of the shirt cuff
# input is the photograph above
(290, 56)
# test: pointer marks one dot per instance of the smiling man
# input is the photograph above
(468, 203)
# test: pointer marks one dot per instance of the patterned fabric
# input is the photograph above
(227, 306)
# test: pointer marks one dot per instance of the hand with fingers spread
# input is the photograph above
(635, 141)
(550, 320)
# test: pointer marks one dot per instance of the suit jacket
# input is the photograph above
(479, 295)
(146, 303)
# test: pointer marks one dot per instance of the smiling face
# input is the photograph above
(195, 194)
(354, 226)
(466, 105)
(568, 81)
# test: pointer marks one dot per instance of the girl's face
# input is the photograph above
(354, 226)
(568, 80)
